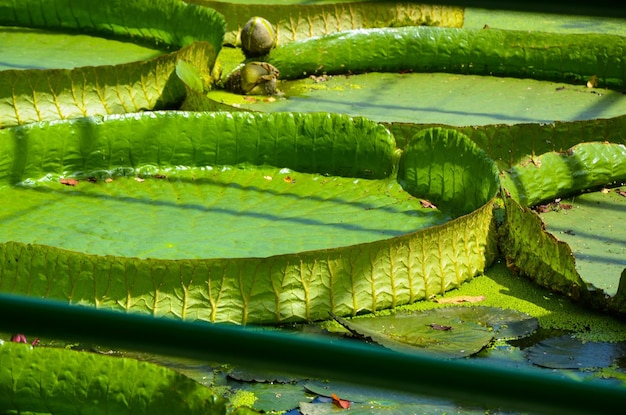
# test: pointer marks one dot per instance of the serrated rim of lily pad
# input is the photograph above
(193, 33)
(301, 21)
(302, 286)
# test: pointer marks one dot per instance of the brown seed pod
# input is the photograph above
(257, 37)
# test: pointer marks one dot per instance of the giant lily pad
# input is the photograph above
(277, 217)
(301, 20)
(442, 99)
(542, 255)
(57, 50)
(54, 380)
(590, 224)
(190, 33)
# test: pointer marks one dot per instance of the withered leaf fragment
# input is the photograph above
(427, 204)
(69, 182)
(440, 327)
(342, 403)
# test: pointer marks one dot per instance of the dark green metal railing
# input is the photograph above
(492, 387)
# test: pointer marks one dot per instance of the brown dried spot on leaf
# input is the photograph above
(461, 299)
(289, 179)
(543, 208)
(69, 182)
(535, 161)
(439, 327)
(621, 192)
(554, 206)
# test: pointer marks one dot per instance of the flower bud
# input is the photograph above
(257, 37)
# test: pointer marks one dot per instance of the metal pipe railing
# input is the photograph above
(313, 356)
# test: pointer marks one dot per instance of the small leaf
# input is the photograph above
(340, 402)
(190, 75)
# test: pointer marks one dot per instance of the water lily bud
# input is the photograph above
(257, 37)
(259, 78)
(253, 78)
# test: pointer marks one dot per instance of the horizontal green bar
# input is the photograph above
(313, 356)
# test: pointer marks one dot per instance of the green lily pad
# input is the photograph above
(363, 394)
(443, 333)
(451, 331)
(546, 257)
(56, 50)
(387, 409)
(56, 380)
(276, 396)
(592, 225)
(290, 211)
(240, 205)
(438, 99)
(544, 22)
(243, 374)
(75, 88)
(297, 20)
(507, 324)
(567, 352)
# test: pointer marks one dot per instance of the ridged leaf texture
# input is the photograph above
(526, 243)
(56, 380)
(536, 55)
(194, 34)
(509, 145)
(297, 286)
(301, 21)
(557, 174)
